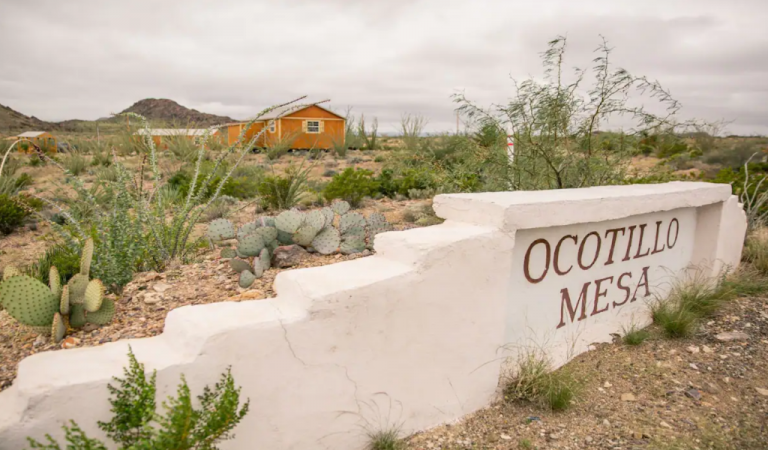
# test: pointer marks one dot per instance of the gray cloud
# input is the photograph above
(85, 59)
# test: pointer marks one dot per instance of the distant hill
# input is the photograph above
(12, 121)
(161, 109)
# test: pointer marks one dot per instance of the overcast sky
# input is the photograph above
(87, 59)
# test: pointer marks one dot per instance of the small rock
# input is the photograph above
(694, 394)
(628, 397)
(151, 298)
(161, 287)
(606, 423)
(711, 388)
(706, 349)
(288, 256)
(366, 252)
(588, 439)
(637, 435)
(70, 342)
(693, 349)
(693, 366)
(761, 391)
(607, 385)
(665, 424)
(506, 437)
(732, 336)
(40, 340)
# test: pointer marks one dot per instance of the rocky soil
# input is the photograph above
(707, 392)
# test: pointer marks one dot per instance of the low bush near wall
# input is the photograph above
(181, 427)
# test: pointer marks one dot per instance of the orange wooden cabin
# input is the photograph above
(42, 139)
(312, 127)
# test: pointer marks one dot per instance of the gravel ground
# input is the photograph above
(699, 393)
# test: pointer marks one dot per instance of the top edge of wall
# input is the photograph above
(510, 211)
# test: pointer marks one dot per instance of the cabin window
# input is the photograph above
(272, 127)
(313, 126)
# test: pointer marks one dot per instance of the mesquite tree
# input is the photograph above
(554, 121)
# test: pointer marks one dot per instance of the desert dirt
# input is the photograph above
(699, 393)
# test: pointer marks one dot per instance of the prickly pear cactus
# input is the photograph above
(247, 229)
(77, 286)
(351, 221)
(265, 260)
(76, 315)
(268, 234)
(266, 221)
(239, 265)
(29, 301)
(58, 329)
(304, 235)
(315, 220)
(289, 221)
(246, 279)
(221, 230)
(104, 315)
(54, 281)
(86, 258)
(64, 302)
(377, 223)
(250, 245)
(327, 241)
(94, 296)
(329, 216)
(340, 207)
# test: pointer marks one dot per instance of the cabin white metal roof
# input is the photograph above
(31, 134)
(177, 132)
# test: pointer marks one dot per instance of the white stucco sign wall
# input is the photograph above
(417, 333)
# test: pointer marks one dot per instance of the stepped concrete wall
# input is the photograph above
(417, 334)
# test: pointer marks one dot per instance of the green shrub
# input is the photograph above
(536, 382)
(65, 258)
(136, 426)
(385, 440)
(329, 173)
(351, 185)
(12, 215)
(284, 192)
(635, 335)
(75, 164)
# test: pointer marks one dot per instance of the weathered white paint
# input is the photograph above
(414, 334)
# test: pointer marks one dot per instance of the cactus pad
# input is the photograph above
(269, 234)
(77, 285)
(340, 207)
(327, 241)
(94, 295)
(354, 245)
(289, 221)
(54, 281)
(284, 238)
(329, 216)
(29, 301)
(315, 219)
(104, 315)
(76, 315)
(258, 271)
(266, 221)
(58, 329)
(246, 229)
(250, 245)
(246, 279)
(351, 220)
(64, 302)
(304, 235)
(239, 265)
(220, 230)
(265, 260)
(10, 271)
(228, 253)
(86, 257)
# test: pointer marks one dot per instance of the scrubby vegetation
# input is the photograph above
(185, 423)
